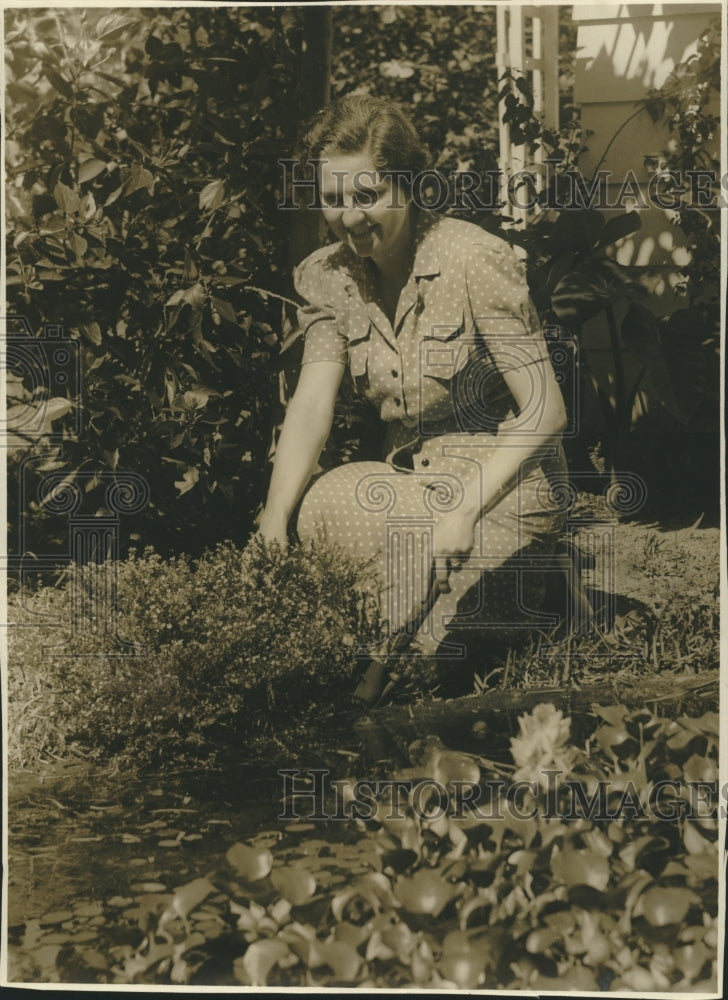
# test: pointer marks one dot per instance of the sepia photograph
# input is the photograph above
(363, 468)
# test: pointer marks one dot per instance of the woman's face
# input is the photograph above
(365, 210)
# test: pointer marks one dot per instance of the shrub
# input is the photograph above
(141, 145)
(239, 642)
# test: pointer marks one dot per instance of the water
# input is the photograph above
(88, 846)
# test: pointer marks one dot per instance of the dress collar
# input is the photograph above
(427, 259)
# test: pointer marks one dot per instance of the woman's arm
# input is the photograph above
(521, 441)
(306, 427)
(522, 438)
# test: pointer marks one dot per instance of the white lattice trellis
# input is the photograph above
(528, 45)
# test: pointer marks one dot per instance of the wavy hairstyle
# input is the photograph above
(355, 123)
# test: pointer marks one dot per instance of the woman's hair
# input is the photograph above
(355, 123)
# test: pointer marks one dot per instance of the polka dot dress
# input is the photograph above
(433, 377)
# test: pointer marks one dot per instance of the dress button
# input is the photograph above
(397, 401)
(395, 373)
(425, 462)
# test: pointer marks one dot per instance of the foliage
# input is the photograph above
(600, 871)
(236, 641)
(435, 60)
(688, 103)
(577, 276)
(142, 192)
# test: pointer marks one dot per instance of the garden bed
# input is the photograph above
(187, 874)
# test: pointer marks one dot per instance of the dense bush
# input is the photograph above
(142, 199)
(245, 642)
(142, 218)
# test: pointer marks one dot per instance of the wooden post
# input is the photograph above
(306, 229)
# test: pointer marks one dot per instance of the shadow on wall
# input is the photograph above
(631, 47)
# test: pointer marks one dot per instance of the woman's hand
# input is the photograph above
(453, 541)
(273, 528)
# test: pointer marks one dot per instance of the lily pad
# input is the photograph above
(56, 917)
(294, 884)
(424, 892)
(663, 906)
(253, 863)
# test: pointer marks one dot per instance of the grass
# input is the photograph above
(247, 643)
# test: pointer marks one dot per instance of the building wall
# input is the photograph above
(624, 50)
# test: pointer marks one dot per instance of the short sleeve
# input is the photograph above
(502, 310)
(318, 318)
(498, 291)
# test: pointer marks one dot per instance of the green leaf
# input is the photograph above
(620, 226)
(66, 199)
(79, 246)
(640, 335)
(224, 308)
(89, 169)
(295, 884)
(212, 195)
(189, 480)
(580, 294)
(137, 178)
(253, 863)
(576, 231)
(61, 85)
(110, 26)
(91, 331)
(662, 906)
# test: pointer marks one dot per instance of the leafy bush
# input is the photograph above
(142, 218)
(236, 642)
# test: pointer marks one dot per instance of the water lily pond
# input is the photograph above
(539, 851)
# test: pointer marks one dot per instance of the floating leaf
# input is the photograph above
(424, 892)
(258, 961)
(576, 867)
(340, 956)
(373, 888)
(294, 884)
(187, 897)
(661, 906)
(448, 766)
(252, 863)
(56, 917)
(465, 969)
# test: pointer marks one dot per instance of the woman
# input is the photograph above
(431, 316)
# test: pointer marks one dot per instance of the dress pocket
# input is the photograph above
(359, 355)
(445, 350)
